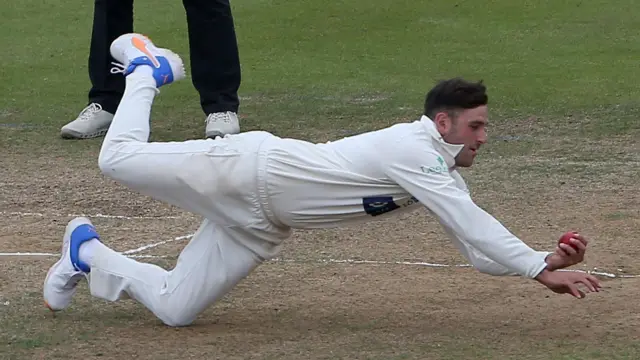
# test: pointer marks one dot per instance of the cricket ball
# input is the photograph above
(566, 237)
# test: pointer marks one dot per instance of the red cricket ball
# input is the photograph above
(566, 237)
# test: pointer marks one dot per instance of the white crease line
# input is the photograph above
(148, 256)
(104, 216)
(28, 254)
(145, 247)
(351, 261)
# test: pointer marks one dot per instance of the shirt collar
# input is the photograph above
(448, 151)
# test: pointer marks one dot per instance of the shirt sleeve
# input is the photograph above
(424, 175)
(479, 260)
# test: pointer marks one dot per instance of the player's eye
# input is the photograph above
(477, 126)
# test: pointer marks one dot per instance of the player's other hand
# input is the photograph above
(568, 255)
(565, 282)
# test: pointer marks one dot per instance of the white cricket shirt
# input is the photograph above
(385, 172)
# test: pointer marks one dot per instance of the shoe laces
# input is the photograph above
(219, 116)
(88, 112)
(117, 68)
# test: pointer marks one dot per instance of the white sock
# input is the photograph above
(142, 75)
(88, 250)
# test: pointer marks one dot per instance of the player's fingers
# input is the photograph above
(573, 290)
(568, 249)
(579, 244)
(586, 282)
(594, 280)
(560, 252)
(581, 238)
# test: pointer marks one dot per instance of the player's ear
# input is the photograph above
(443, 122)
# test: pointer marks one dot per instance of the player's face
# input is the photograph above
(468, 127)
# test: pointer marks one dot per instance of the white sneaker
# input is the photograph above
(133, 50)
(92, 122)
(221, 124)
(62, 279)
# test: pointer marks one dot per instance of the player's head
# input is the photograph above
(459, 110)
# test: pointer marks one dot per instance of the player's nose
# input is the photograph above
(482, 138)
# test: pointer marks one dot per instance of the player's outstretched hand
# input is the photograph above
(566, 255)
(565, 282)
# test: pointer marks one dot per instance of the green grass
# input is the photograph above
(305, 62)
(318, 70)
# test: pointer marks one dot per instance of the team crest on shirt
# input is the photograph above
(378, 205)
(438, 169)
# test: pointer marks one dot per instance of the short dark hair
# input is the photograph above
(454, 94)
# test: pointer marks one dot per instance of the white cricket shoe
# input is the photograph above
(91, 122)
(221, 124)
(62, 279)
(133, 50)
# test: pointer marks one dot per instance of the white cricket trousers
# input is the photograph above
(218, 179)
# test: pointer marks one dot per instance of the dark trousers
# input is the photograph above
(215, 63)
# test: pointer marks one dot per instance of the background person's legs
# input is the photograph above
(215, 63)
(111, 18)
(211, 264)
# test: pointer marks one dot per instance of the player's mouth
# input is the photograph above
(474, 149)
